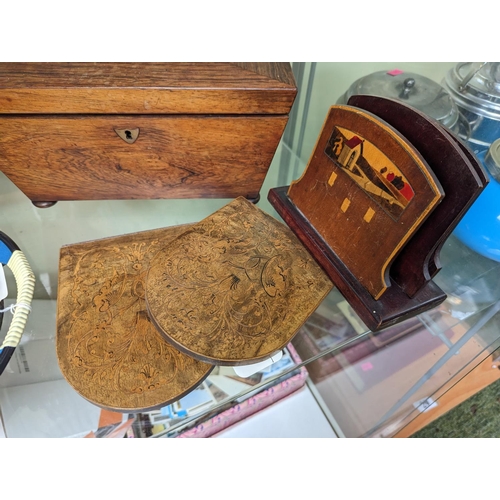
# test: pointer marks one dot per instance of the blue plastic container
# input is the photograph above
(480, 227)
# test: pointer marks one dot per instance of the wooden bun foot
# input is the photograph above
(44, 204)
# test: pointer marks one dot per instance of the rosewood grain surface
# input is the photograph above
(151, 88)
(107, 348)
(84, 158)
(393, 307)
(460, 175)
(201, 129)
(235, 288)
(366, 191)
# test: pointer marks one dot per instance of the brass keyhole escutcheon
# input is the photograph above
(129, 135)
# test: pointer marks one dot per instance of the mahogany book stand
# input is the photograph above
(383, 190)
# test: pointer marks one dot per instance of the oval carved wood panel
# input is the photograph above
(107, 347)
(235, 288)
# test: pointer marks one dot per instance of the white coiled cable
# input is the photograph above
(25, 283)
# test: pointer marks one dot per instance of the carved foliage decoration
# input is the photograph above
(107, 347)
(235, 288)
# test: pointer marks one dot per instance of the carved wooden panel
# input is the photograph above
(235, 288)
(107, 347)
(366, 191)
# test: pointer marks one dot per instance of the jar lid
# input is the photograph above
(476, 87)
(413, 89)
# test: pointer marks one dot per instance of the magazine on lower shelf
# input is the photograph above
(222, 390)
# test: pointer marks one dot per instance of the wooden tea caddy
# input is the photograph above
(143, 318)
(114, 131)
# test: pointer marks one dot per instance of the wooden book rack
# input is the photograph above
(383, 189)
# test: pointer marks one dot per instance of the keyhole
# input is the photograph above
(128, 135)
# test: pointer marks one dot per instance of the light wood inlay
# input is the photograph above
(345, 205)
(369, 215)
(332, 178)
